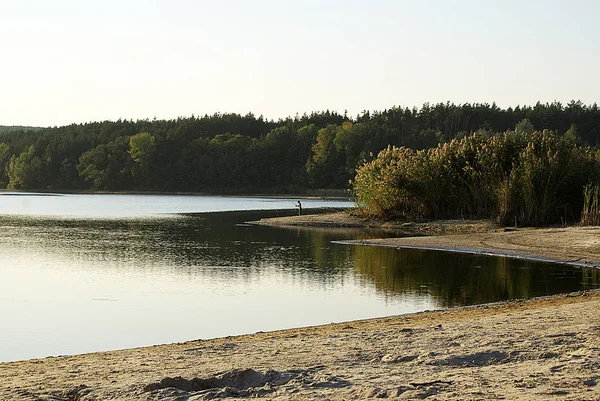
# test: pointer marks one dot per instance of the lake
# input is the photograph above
(84, 273)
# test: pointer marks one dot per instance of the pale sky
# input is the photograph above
(75, 61)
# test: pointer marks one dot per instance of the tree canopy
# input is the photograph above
(232, 153)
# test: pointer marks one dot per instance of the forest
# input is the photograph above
(245, 154)
(11, 128)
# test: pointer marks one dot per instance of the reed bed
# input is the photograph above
(522, 178)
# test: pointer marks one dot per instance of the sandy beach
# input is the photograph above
(545, 348)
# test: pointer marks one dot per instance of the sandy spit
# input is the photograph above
(540, 349)
(576, 245)
(573, 245)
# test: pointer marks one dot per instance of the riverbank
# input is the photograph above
(572, 245)
(534, 349)
(348, 220)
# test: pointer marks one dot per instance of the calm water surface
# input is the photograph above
(82, 273)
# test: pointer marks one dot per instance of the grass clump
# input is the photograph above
(590, 216)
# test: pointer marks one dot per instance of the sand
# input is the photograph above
(538, 349)
(573, 245)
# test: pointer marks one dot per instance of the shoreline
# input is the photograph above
(520, 349)
(576, 246)
(538, 348)
(573, 245)
(50, 192)
(477, 251)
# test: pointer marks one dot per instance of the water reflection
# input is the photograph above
(465, 279)
(72, 286)
(221, 245)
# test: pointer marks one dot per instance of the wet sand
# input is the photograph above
(538, 349)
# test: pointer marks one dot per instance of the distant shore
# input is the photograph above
(523, 349)
(314, 194)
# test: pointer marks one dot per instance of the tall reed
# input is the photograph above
(530, 178)
(590, 216)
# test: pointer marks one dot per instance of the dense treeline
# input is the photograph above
(12, 128)
(233, 153)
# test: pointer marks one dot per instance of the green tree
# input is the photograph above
(322, 166)
(25, 171)
(142, 149)
(571, 135)
(107, 167)
(524, 127)
(4, 160)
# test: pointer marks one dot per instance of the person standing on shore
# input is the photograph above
(299, 206)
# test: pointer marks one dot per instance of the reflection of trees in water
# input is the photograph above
(217, 246)
(461, 279)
